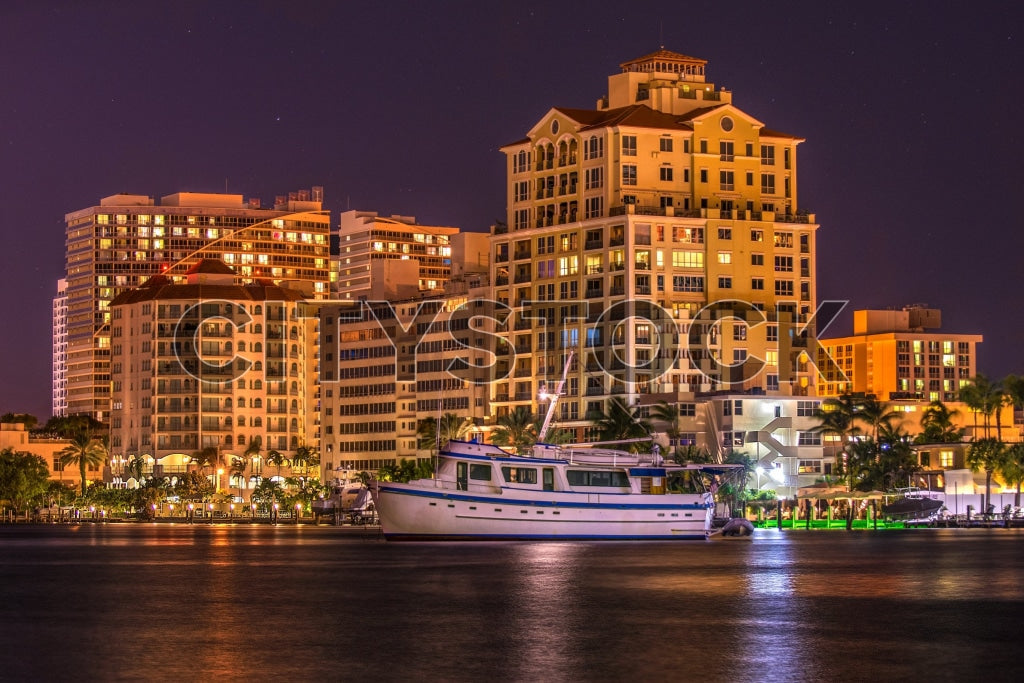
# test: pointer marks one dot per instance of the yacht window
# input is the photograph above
(480, 472)
(597, 478)
(519, 475)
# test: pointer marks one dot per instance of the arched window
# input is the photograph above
(257, 329)
(241, 422)
(241, 346)
(227, 403)
(241, 401)
(241, 384)
(258, 366)
(241, 439)
(257, 310)
(257, 421)
(295, 424)
(295, 405)
(227, 347)
(257, 403)
(257, 384)
(227, 440)
(257, 347)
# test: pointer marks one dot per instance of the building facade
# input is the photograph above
(60, 350)
(627, 221)
(900, 355)
(393, 256)
(212, 365)
(127, 239)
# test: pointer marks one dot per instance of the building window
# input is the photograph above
(725, 150)
(725, 257)
(767, 183)
(629, 145)
(757, 283)
(666, 173)
(725, 180)
(768, 155)
(725, 233)
(703, 175)
(724, 282)
(809, 439)
(687, 283)
(593, 178)
(783, 288)
(783, 264)
(665, 144)
(628, 174)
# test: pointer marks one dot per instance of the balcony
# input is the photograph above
(616, 290)
(643, 289)
(595, 293)
(501, 257)
(617, 241)
(594, 244)
(521, 254)
(642, 265)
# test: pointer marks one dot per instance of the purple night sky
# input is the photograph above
(911, 112)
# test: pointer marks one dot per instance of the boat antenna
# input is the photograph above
(437, 434)
(553, 399)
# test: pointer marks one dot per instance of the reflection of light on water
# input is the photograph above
(543, 609)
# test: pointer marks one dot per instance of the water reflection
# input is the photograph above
(156, 601)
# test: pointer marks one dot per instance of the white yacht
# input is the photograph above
(481, 492)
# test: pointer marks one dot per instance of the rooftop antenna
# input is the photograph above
(661, 33)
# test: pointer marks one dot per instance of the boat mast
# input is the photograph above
(553, 398)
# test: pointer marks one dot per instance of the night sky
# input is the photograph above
(914, 159)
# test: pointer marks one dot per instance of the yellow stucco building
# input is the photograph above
(900, 355)
(663, 199)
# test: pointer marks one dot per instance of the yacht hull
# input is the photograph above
(423, 511)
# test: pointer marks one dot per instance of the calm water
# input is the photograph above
(225, 603)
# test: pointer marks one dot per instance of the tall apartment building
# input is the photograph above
(127, 239)
(60, 349)
(666, 194)
(385, 367)
(900, 355)
(395, 256)
(211, 363)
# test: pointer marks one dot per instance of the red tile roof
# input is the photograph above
(664, 55)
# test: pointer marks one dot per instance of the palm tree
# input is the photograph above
(305, 457)
(937, 425)
(516, 429)
(621, 422)
(1012, 469)
(452, 427)
(988, 455)
(984, 396)
(252, 451)
(85, 450)
(668, 415)
(875, 414)
(277, 459)
(237, 469)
